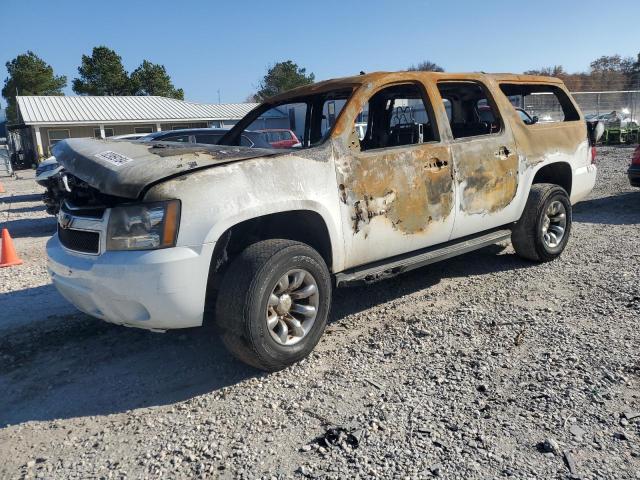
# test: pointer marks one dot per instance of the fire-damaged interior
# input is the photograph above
(395, 116)
(469, 108)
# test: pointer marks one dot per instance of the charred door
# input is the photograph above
(395, 180)
(485, 158)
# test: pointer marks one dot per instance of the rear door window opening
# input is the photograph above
(546, 103)
(470, 109)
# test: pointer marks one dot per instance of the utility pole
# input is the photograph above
(219, 96)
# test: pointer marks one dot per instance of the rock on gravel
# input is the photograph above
(478, 368)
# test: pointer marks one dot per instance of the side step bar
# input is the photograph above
(374, 272)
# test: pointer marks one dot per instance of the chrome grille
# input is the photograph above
(80, 229)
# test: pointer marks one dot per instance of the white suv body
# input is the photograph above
(419, 183)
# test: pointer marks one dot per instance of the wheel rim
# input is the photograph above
(292, 307)
(554, 224)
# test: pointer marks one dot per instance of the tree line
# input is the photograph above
(100, 73)
(609, 72)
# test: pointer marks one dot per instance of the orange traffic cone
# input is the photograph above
(8, 255)
(2, 190)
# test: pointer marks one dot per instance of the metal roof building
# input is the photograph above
(45, 120)
(61, 110)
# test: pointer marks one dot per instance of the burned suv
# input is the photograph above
(167, 235)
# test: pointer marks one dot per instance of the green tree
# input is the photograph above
(29, 75)
(152, 79)
(426, 66)
(573, 81)
(102, 73)
(611, 72)
(281, 77)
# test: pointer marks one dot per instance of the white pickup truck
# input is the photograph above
(165, 235)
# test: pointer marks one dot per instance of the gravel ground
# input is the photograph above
(484, 366)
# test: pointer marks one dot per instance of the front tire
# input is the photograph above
(543, 231)
(273, 303)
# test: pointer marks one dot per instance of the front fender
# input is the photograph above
(215, 199)
(337, 246)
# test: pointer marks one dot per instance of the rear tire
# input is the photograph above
(543, 231)
(273, 303)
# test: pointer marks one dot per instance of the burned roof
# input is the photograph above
(384, 77)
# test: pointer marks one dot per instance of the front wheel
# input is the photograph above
(274, 303)
(543, 231)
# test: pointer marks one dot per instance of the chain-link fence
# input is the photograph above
(622, 106)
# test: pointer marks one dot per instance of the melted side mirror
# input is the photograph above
(595, 130)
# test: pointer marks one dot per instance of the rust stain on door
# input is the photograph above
(411, 187)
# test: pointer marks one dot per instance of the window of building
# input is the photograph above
(543, 103)
(470, 109)
(143, 129)
(397, 115)
(108, 132)
(56, 135)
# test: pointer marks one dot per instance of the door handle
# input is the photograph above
(503, 152)
(436, 163)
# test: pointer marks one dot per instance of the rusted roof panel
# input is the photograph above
(376, 77)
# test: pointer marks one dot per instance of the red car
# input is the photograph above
(280, 137)
(634, 169)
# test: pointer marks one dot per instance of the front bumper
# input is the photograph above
(634, 175)
(155, 289)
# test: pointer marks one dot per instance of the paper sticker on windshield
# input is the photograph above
(114, 158)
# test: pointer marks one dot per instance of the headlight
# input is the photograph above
(145, 226)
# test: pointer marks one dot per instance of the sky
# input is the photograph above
(226, 47)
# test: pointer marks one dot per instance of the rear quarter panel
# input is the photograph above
(542, 144)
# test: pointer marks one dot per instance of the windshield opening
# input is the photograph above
(301, 122)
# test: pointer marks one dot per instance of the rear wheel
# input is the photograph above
(273, 303)
(542, 232)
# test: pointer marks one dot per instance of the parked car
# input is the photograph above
(614, 119)
(46, 169)
(255, 240)
(129, 136)
(281, 138)
(485, 114)
(209, 136)
(634, 168)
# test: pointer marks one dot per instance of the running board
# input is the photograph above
(374, 272)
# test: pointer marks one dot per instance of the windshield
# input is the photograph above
(299, 123)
